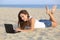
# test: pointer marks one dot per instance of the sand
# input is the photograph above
(9, 15)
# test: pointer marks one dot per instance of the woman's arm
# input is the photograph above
(18, 29)
(32, 23)
(32, 20)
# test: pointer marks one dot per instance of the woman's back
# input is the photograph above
(38, 24)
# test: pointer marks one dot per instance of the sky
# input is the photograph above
(28, 2)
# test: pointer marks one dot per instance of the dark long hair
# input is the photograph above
(22, 23)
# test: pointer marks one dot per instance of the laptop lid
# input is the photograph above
(9, 28)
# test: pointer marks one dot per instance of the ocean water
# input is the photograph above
(29, 6)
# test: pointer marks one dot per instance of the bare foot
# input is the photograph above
(53, 9)
(47, 10)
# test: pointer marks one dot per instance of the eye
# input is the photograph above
(22, 16)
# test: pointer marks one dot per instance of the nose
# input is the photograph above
(22, 18)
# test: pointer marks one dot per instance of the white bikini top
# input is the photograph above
(38, 24)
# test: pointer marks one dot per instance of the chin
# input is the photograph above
(24, 20)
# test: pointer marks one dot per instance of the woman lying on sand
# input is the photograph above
(27, 21)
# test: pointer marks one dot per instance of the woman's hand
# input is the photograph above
(18, 29)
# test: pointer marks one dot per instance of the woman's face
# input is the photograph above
(24, 17)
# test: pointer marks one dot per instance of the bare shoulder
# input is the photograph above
(32, 19)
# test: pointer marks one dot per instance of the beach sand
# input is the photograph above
(9, 15)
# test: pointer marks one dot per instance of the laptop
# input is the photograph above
(9, 28)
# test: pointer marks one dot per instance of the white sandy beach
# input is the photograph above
(9, 15)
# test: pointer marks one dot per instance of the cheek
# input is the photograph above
(24, 18)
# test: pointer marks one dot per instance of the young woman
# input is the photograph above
(28, 23)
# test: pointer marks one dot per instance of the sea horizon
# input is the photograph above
(29, 6)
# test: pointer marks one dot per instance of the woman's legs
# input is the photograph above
(50, 13)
